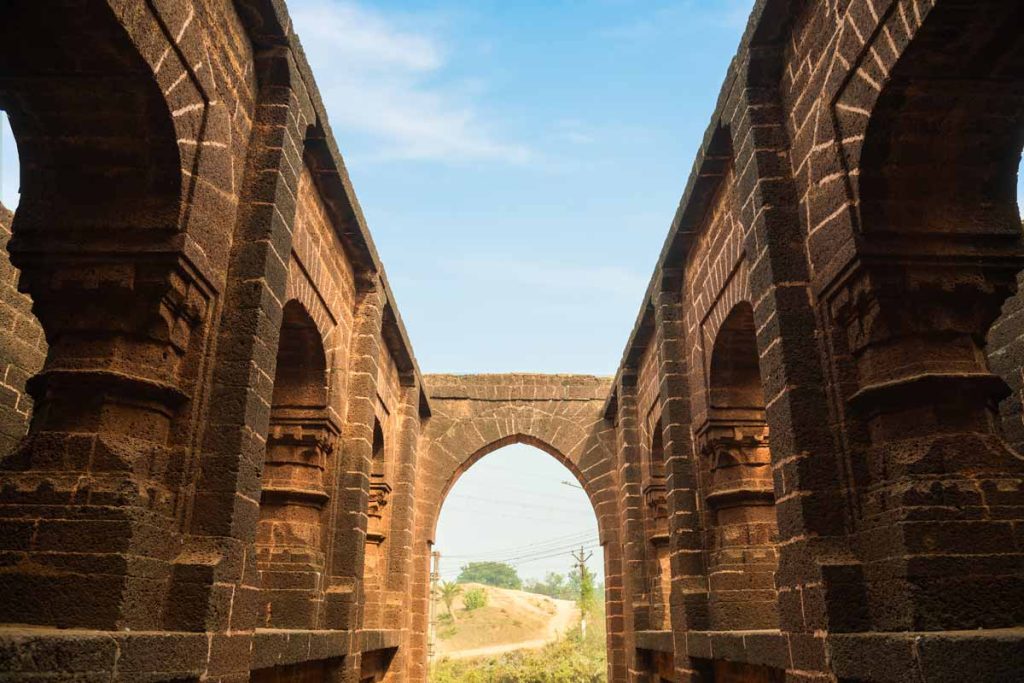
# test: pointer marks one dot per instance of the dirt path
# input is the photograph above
(562, 620)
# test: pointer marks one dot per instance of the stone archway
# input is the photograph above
(472, 416)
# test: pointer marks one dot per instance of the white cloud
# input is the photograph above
(386, 80)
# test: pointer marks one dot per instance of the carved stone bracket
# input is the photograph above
(297, 451)
(918, 331)
(656, 500)
(739, 461)
(380, 495)
(120, 332)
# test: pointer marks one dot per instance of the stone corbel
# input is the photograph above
(297, 450)
(127, 321)
(380, 495)
(739, 462)
(656, 500)
(918, 331)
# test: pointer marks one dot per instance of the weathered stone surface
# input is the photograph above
(219, 460)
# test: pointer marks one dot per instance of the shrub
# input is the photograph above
(474, 599)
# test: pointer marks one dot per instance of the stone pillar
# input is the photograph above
(349, 521)
(939, 492)
(740, 503)
(91, 494)
(292, 506)
(216, 583)
(635, 599)
(689, 596)
(398, 585)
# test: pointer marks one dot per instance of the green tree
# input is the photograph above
(587, 594)
(475, 599)
(497, 574)
(553, 585)
(449, 591)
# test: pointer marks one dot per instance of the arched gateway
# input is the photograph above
(475, 415)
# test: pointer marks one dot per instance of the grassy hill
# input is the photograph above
(510, 620)
(571, 658)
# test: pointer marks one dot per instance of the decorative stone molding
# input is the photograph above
(380, 496)
(739, 462)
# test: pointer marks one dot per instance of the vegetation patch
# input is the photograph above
(572, 659)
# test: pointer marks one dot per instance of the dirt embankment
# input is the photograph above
(511, 620)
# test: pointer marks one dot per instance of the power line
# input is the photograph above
(454, 574)
(514, 552)
(529, 558)
(557, 541)
(549, 519)
(521, 503)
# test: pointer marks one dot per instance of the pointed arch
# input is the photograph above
(561, 415)
(518, 438)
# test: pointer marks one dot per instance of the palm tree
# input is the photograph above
(449, 590)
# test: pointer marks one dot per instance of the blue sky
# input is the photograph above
(519, 164)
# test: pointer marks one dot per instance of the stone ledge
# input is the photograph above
(517, 387)
(763, 648)
(78, 654)
(983, 655)
(278, 647)
(380, 639)
(655, 641)
(143, 656)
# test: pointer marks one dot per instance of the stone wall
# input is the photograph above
(1005, 350)
(831, 358)
(22, 347)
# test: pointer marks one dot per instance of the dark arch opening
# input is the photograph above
(301, 377)
(378, 529)
(735, 372)
(22, 344)
(944, 142)
(938, 189)
(92, 124)
(655, 494)
(378, 448)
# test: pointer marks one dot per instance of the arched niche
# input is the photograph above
(378, 524)
(293, 503)
(654, 488)
(939, 246)
(737, 487)
(940, 240)
(102, 243)
(300, 381)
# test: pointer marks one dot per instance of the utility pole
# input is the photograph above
(581, 563)
(435, 576)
